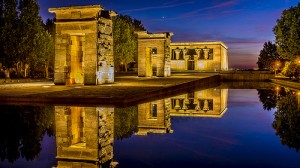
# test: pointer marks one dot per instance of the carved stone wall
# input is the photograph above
(84, 136)
(83, 45)
(106, 133)
(199, 56)
(76, 135)
(154, 117)
(154, 54)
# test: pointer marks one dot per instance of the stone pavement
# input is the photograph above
(125, 90)
(286, 82)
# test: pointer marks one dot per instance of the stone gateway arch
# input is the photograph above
(83, 45)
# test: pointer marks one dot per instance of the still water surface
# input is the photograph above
(205, 128)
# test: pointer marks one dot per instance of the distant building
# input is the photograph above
(158, 56)
(199, 56)
(154, 57)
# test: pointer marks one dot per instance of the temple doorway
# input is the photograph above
(76, 70)
(149, 68)
(191, 63)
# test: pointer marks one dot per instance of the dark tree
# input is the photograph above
(9, 39)
(268, 98)
(32, 33)
(125, 122)
(287, 34)
(268, 56)
(125, 41)
(138, 26)
(22, 130)
(50, 26)
(1, 26)
(291, 69)
(287, 120)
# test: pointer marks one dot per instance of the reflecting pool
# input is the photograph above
(216, 127)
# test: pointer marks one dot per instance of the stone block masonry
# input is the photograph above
(83, 45)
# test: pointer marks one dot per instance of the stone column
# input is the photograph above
(184, 51)
(205, 53)
(186, 58)
(177, 106)
(177, 52)
(198, 50)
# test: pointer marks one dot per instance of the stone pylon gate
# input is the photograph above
(83, 45)
(154, 54)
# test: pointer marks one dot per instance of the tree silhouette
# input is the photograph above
(287, 34)
(22, 130)
(269, 97)
(267, 56)
(125, 122)
(287, 120)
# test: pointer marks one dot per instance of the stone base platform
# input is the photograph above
(126, 90)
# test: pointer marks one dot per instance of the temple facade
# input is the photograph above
(83, 45)
(154, 54)
(158, 56)
(199, 56)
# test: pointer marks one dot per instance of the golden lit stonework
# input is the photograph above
(158, 56)
(83, 45)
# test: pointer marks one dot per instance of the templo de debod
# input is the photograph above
(158, 56)
(84, 49)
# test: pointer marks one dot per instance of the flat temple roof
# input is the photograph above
(199, 43)
(52, 10)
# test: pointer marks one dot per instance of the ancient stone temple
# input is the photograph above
(158, 56)
(154, 54)
(84, 136)
(83, 45)
(199, 56)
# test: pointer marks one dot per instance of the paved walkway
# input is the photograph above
(286, 82)
(124, 88)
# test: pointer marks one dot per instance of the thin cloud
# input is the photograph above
(220, 5)
(170, 2)
(232, 11)
(197, 14)
(157, 7)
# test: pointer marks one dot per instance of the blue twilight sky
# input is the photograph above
(243, 25)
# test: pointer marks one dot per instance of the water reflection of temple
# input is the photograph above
(84, 136)
(155, 116)
(203, 103)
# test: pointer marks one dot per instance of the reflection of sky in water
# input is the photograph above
(46, 159)
(243, 137)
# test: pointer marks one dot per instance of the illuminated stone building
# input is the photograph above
(84, 136)
(154, 117)
(83, 45)
(203, 103)
(199, 56)
(158, 56)
(154, 54)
